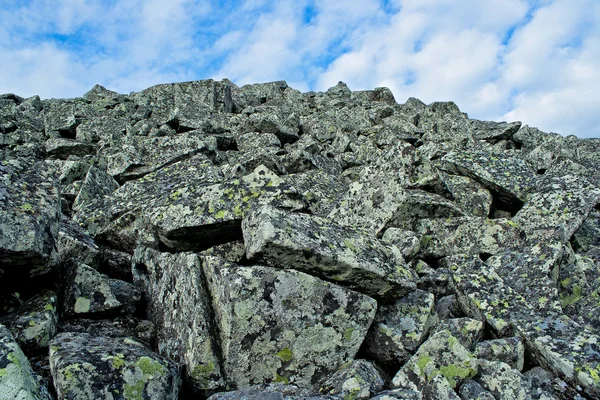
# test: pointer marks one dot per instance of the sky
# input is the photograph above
(535, 61)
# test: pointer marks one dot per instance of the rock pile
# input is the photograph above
(200, 239)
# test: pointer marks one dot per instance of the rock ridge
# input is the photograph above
(204, 240)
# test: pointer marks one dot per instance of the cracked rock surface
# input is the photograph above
(203, 240)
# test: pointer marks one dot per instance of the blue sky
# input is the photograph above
(537, 61)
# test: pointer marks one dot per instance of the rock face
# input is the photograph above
(201, 239)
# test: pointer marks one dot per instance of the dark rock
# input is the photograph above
(90, 367)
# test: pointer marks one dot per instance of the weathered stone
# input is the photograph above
(185, 334)
(399, 394)
(558, 203)
(510, 351)
(97, 184)
(439, 388)
(253, 141)
(137, 156)
(471, 390)
(399, 328)
(447, 308)
(73, 242)
(35, 322)
(440, 238)
(17, 379)
(442, 354)
(319, 246)
(142, 330)
(213, 214)
(555, 341)
(356, 380)
(321, 191)
(63, 148)
(469, 195)
(406, 241)
(502, 381)
(468, 331)
(271, 392)
(29, 215)
(489, 130)
(265, 333)
(504, 174)
(86, 292)
(91, 367)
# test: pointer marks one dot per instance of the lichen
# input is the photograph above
(285, 354)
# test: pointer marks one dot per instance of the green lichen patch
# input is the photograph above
(285, 354)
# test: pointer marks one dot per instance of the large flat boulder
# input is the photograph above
(321, 247)
(266, 333)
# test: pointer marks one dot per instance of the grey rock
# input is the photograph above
(265, 333)
(88, 367)
(558, 203)
(508, 350)
(17, 379)
(185, 334)
(440, 237)
(441, 355)
(468, 331)
(471, 390)
(121, 326)
(447, 308)
(406, 241)
(356, 380)
(469, 195)
(35, 323)
(439, 388)
(86, 292)
(73, 242)
(400, 328)
(489, 130)
(63, 148)
(30, 215)
(271, 392)
(502, 381)
(505, 174)
(97, 184)
(319, 246)
(399, 394)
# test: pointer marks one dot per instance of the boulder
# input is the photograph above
(265, 333)
(90, 367)
(326, 249)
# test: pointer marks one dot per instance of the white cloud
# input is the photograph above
(535, 60)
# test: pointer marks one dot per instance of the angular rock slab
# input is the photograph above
(558, 203)
(87, 292)
(17, 379)
(178, 303)
(356, 380)
(441, 355)
(321, 247)
(95, 367)
(266, 333)
(29, 215)
(502, 381)
(555, 341)
(208, 215)
(35, 323)
(442, 238)
(399, 328)
(506, 174)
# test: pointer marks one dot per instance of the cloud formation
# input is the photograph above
(537, 61)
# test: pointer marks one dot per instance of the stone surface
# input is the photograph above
(258, 235)
(441, 355)
(265, 333)
(17, 379)
(185, 334)
(319, 246)
(356, 380)
(399, 328)
(92, 367)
